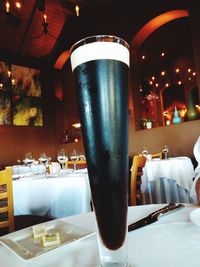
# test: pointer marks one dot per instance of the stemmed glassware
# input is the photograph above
(165, 151)
(145, 152)
(43, 159)
(28, 159)
(74, 157)
(62, 158)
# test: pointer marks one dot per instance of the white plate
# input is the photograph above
(195, 217)
(26, 247)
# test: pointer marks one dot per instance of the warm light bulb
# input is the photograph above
(77, 10)
(143, 57)
(7, 7)
(177, 70)
(150, 82)
(179, 82)
(76, 125)
(194, 73)
(162, 54)
(18, 5)
(167, 85)
(1, 86)
(45, 18)
(153, 78)
(13, 81)
(189, 70)
(156, 85)
(163, 73)
(76, 140)
(9, 73)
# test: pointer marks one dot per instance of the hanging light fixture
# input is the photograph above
(12, 13)
(41, 7)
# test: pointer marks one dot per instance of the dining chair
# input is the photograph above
(6, 200)
(157, 155)
(80, 164)
(135, 183)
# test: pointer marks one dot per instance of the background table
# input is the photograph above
(167, 180)
(56, 197)
(172, 241)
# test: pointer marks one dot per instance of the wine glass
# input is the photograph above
(145, 152)
(74, 157)
(43, 159)
(62, 158)
(28, 159)
(165, 151)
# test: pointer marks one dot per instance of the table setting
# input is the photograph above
(167, 180)
(173, 240)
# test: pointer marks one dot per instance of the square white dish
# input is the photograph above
(26, 247)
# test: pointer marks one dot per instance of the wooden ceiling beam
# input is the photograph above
(25, 36)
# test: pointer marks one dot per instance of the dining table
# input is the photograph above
(167, 180)
(173, 240)
(55, 196)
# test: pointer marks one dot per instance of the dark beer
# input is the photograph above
(102, 91)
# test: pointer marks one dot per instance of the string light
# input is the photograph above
(177, 70)
(167, 85)
(9, 73)
(143, 57)
(163, 73)
(162, 54)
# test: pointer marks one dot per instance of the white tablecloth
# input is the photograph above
(28, 170)
(173, 241)
(167, 180)
(56, 197)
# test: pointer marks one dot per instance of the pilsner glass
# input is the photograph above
(100, 65)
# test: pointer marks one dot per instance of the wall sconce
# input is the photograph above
(76, 125)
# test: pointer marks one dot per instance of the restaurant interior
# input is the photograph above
(152, 29)
(40, 120)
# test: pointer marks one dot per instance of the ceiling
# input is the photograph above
(22, 31)
(24, 37)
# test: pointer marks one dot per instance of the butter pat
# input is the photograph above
(39, 230)
(51, 239)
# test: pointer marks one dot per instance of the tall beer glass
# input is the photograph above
(101, 70)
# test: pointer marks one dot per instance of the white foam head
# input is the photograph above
(99, 50)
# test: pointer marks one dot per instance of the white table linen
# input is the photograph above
(172, 241)
(167, 180)
(23, 170)
(196, 152)
(63, 195)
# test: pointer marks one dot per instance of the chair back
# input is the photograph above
(136, 172)
(157, 155)
(6, 200)
(80, 164)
